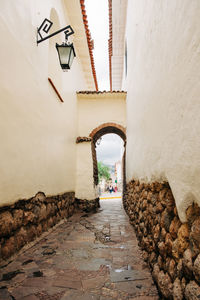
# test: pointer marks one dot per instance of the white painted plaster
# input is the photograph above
(80, 40)
(84, 174)
(97, 109)
(119, 10)
(163, 106)
(37, 131)
(93, 111)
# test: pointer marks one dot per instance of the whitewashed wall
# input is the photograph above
(163, 99)
(37, 131)
(93, 111)
(97, 109)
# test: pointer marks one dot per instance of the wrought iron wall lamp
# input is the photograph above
(66, 51)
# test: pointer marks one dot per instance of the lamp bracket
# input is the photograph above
(46, 26)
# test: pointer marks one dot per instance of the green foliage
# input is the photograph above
(103, 171)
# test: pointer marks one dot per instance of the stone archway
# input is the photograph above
(98, 133)
(94, 120)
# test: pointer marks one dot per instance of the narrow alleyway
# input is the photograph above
(89, 256)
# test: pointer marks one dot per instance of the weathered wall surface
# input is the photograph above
(25, 220)
(163, 88)
(84, 172)
(37, 131)
(172, 249)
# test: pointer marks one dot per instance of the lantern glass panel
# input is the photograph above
(66, 55)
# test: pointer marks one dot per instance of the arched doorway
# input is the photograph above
(96, 134)
(94, 120)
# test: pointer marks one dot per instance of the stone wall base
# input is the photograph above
(27, 219)
(87, 205)
(171, 249)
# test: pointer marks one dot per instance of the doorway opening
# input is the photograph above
(108, 151)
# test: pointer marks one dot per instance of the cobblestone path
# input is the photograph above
(88, 257)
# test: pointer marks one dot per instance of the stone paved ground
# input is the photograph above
(88, 257)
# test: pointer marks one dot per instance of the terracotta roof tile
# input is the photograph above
(89, 41)
(100, 92)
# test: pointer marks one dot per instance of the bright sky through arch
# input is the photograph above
(111, 149)
(98, 20)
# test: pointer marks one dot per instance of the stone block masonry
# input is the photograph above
(27, 219)
(171, 248)
(87, 205)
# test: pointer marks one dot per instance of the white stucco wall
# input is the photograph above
(37, 131)
(119, 11)
(97, 109)
(93, 111)
(84, 173)
(163, 105)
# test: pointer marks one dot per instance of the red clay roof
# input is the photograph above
(110, 49)
(100, 92)
(89, 41)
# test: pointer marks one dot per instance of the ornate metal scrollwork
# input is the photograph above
(46, 26)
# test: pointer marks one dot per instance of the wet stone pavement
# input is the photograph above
(87, 257)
